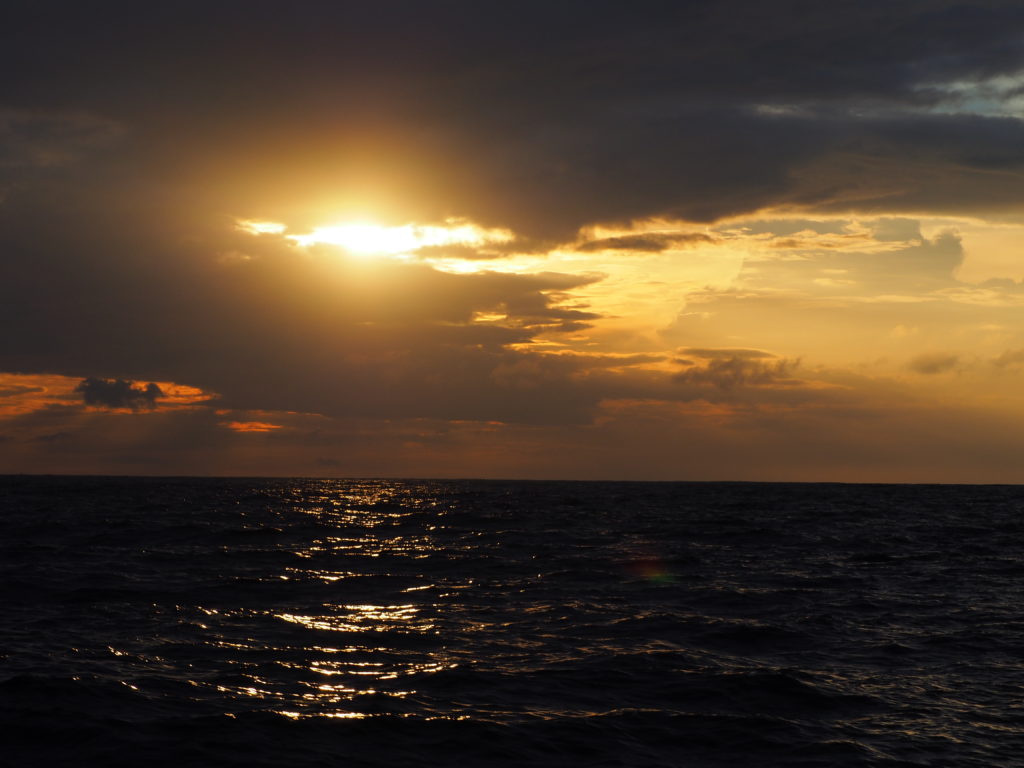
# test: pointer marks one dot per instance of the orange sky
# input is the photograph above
(752, 253)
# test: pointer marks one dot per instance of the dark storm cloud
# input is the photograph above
(870, 46)
(117, 393)
(543, 116)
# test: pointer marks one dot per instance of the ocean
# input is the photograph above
(304, 622)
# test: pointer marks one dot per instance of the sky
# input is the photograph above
(728, 240)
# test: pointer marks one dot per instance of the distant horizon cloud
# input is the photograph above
(118, 393)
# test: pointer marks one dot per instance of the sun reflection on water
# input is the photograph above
(343, 715)
(365, 542)
(357, 561)
(364, 618)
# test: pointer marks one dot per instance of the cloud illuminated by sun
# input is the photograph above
(370, 239)
(250, 426)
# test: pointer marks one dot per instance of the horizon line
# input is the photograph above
(412, 479)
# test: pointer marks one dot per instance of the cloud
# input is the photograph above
(731, 369)
(17, 390)
(933, 362)
(868, 431)
(548, 119)
(117, 393)
(39, 139)
(1011, 358)
(459, 251)
(311, 330)
(726, 353)
(52, 437)
(653, 242)
(250, 426)
(883, 264)
(837, 305)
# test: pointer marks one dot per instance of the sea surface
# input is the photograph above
(220, 622)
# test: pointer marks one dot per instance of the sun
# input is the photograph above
(364, 238)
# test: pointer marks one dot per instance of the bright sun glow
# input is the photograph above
(363, 239)
(374, 239)
(368, 239)
(255, 227)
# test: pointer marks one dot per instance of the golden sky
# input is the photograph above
(698, 243)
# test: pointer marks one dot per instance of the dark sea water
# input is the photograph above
(193, 622)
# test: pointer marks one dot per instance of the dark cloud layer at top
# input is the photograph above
(538, 116)
(870, 47)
